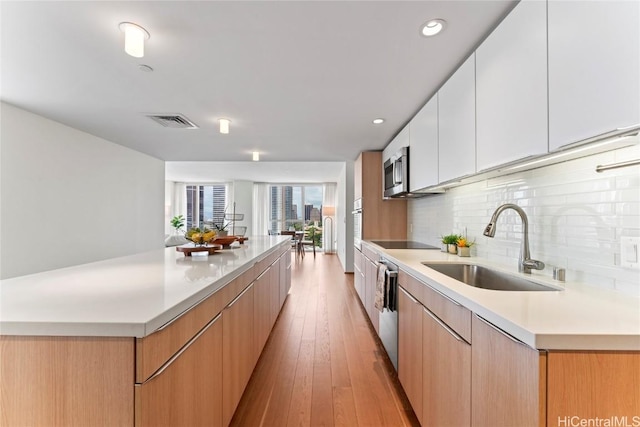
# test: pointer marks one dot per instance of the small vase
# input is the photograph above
(443, 247)
(466, 251)
(222, 233)
(452, 248)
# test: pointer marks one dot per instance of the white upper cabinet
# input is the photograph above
(511, 87)
(594, 71)
(423, 154)
(400, 140)
(457, 124)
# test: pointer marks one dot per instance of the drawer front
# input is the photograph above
(411, 285)
(449, 311)
(154, 350)
(370, 253)
(357, 259)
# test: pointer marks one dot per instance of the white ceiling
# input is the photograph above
(300, 80)
(274, 172)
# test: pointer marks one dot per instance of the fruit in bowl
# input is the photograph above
(200, 236)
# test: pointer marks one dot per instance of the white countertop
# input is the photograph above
(122, 297)
(579, 317)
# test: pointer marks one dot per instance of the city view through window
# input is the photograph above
(294, 206)
(205, 203)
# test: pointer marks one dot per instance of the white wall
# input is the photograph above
(576, 217)
(344, 219)
(70, 198)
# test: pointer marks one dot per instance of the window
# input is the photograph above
(294, 206)
(205, 203)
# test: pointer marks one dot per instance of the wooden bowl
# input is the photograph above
(224, 240)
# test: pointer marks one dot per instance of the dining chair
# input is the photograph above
(308, 241)
(294, 241)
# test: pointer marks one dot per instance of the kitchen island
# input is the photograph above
(155, 338)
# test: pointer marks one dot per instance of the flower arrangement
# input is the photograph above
(464, 246)
(462, 242)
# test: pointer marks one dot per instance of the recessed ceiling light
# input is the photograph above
(378, 121)
(432, 27)
(224, 125)
(256, 156)
(134, 37)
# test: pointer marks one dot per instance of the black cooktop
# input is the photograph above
(402, 244)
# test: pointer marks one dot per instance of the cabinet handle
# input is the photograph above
(444, 325)
(451, 300)
(500, 331)
(437, 291)
(409, 295)
(262, 274)
(240, 295)
(183, 349)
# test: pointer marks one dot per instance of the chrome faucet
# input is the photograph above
(525, 263)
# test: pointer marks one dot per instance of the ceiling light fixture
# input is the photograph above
(224, 125)
(134, 37)
(378, 121)
(432, 27)
(256, 156)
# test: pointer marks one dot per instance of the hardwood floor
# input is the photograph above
(322, 364)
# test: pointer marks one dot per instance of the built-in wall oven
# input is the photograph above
(388, 317)
(357, 223)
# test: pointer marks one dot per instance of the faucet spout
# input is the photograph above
(525, 263)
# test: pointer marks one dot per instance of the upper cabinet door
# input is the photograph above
(400, 140)
(457, 123)
(511, 87)
(423, 156)
(594, 71)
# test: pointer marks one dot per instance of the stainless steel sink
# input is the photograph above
(486, 278)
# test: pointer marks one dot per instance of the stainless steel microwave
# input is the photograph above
(396, 174)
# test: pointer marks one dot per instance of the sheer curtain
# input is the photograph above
(260, 208)
(179, 202)
(329, 217)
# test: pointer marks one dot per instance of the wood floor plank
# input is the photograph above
(300, 407)
(322, 396)
(344, 407)
(323, 364)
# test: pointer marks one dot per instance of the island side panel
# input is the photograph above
(70, 381)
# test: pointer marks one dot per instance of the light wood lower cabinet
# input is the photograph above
(285, 276)
(274, 286)
(594, 384)
(508, 379)
(261, 311)
(238, 351)
(370, 279)
(66, 381)
(446, 375)
(457, 369)
(410, 361)
(358, 274)
(187, 390)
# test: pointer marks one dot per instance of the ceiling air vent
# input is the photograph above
(176, 121)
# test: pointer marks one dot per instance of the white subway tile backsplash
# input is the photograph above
(576, 217)
(627, 208)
